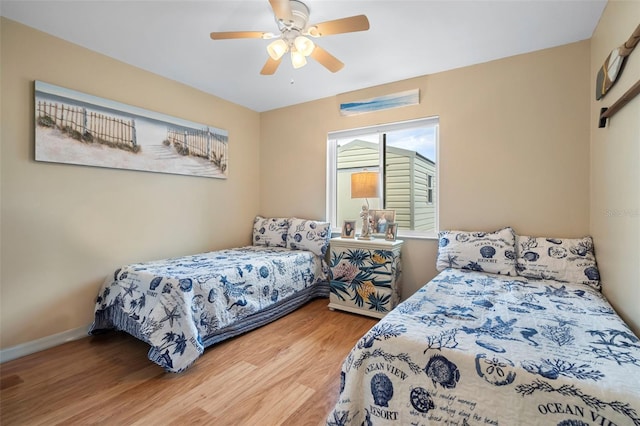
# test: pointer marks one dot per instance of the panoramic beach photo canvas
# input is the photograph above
(77, 128)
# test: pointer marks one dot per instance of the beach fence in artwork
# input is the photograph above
(77, 128)
(200, 143)
(88, 126)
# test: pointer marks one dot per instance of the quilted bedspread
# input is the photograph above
(472, 348)
(182, 305)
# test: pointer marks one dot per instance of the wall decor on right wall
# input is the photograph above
(612, 68)
(606, 113)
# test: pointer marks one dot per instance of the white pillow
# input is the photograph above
(559, 259)
(270, 232)
(309, 235)
(492, 252)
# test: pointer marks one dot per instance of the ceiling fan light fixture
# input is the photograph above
(304, 45)
(296, 36)
(298, 60)
(277, 49)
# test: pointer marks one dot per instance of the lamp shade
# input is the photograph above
(364, 185)
(304, 45)
(297, 59)
(277, 48)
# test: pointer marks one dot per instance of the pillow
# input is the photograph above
(492, 252)
(309, 235)
(559, 259)
(270, 232)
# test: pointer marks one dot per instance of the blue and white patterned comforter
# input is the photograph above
(479, 349)
(182, 305)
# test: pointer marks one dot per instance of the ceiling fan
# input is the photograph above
(292, 17)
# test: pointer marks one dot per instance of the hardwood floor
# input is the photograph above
(287, 372)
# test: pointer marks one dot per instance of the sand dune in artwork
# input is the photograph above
(56, 146)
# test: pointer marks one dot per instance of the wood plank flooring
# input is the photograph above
(287, 372)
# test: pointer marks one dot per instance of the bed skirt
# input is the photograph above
(114, 318)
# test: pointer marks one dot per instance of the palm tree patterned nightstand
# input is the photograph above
(365, 275)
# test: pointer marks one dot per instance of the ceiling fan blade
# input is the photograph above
(282, 10)
(327, 60)
(340, 26)
(270, 66)
(237, 34)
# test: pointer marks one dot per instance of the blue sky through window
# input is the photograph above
(419, 139)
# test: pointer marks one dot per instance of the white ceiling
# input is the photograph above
(406, 39)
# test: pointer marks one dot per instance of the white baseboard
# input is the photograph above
(43, 343)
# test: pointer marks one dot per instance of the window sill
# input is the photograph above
(416, 235)
(402, 235)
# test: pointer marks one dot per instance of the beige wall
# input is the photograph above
(615, 168)
(518, 139)
(64, 228)
(514, 149)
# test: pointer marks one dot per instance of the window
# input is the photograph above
(404, 155)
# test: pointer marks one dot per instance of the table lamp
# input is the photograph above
(364, 185)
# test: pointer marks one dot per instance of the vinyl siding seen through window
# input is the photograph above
(404, 155)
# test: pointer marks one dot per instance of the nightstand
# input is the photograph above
(365, 275)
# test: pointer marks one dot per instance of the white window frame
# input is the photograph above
(332, 137)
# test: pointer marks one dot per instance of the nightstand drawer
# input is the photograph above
(365, 276)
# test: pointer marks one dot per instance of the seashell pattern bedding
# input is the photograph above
(475, 348)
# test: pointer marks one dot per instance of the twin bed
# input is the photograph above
(513, 331)
(182, 305)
